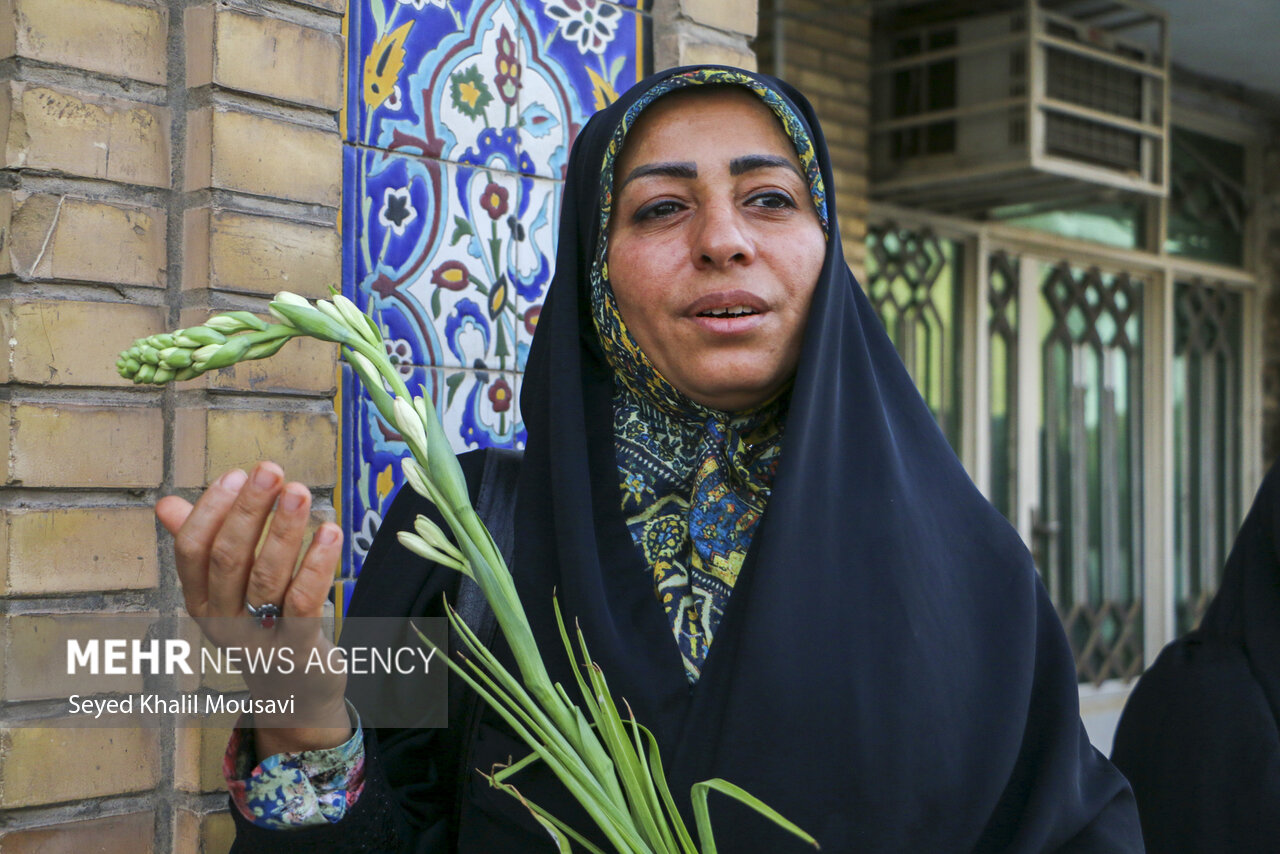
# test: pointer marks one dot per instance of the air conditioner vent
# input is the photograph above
(1038, 101)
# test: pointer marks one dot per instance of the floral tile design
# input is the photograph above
(435, 248)
(460, 117)
(581, 54)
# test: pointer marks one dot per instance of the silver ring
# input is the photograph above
(266, 615)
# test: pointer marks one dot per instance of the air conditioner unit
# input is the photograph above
(1028, 102)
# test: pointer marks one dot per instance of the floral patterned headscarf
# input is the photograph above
(694, 481)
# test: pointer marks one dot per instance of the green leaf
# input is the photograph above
(435, 303)
(724, 787)
(379, 17)
(453, 381)
(461, 228)
(660, 781)
(616, 68)
(500, 348)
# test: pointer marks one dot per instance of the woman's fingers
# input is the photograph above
(194, 530)
(309, 589)
(278, 555)
(232, 554)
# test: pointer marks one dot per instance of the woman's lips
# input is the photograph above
(728, 312)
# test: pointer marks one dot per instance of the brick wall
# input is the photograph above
(824, 50)
(160, 159)
(692, 32)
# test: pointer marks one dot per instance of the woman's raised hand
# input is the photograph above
(222, 568)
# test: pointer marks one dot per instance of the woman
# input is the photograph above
(1200, 735)
(736, 490)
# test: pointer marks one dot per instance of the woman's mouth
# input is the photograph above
(729, 311)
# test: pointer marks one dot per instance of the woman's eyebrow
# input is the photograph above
(671, 170)
(747, 163)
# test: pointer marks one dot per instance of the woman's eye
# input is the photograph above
(657, 210)
(773, 200)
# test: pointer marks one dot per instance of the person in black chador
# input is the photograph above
(1200, 736)
(738, 493)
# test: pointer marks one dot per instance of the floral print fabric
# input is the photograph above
(294, 789)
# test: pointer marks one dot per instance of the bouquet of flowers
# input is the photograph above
(610, 764)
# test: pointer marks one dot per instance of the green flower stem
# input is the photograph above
(598, 756)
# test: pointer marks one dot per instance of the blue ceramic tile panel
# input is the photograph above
(460, 112)
(436, 251)
(579, 55)
(433, 79)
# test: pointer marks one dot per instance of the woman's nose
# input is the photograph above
(721, 238)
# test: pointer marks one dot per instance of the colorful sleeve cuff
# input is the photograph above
(287, 790)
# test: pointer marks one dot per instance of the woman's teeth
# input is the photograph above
(730, 311)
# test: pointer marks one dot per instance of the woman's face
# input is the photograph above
(714, 246)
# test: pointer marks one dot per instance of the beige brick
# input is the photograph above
(227, 250)
(133, 833)
(91, 136)
(77, 549)
(217, 833)
(263, 56)
(211, 833)
(97, 761)
(702, 53)
(65, 342)
(735, 16)
(303, 366)
(71, 239)
(198, 753)
(76, 445)
(186, 832)
(96, 35)
(232, 150)
(211, 441)
(336, 6)
(35, 655)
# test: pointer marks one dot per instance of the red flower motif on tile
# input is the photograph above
(500, 396)
(507, 66)
(451, 275)
(494, 201)
(531, 318)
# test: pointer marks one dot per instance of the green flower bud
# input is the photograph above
(161, 341)
(144, 374)
(176, 357)
(331, 311)
(231, 322)
(311, 321)
(204, 354)
(150, 355)
(416, 477)
(410, 427)
(224, 355)
(263, 349)
(198, 336)
(357, 320)
(162, 375)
